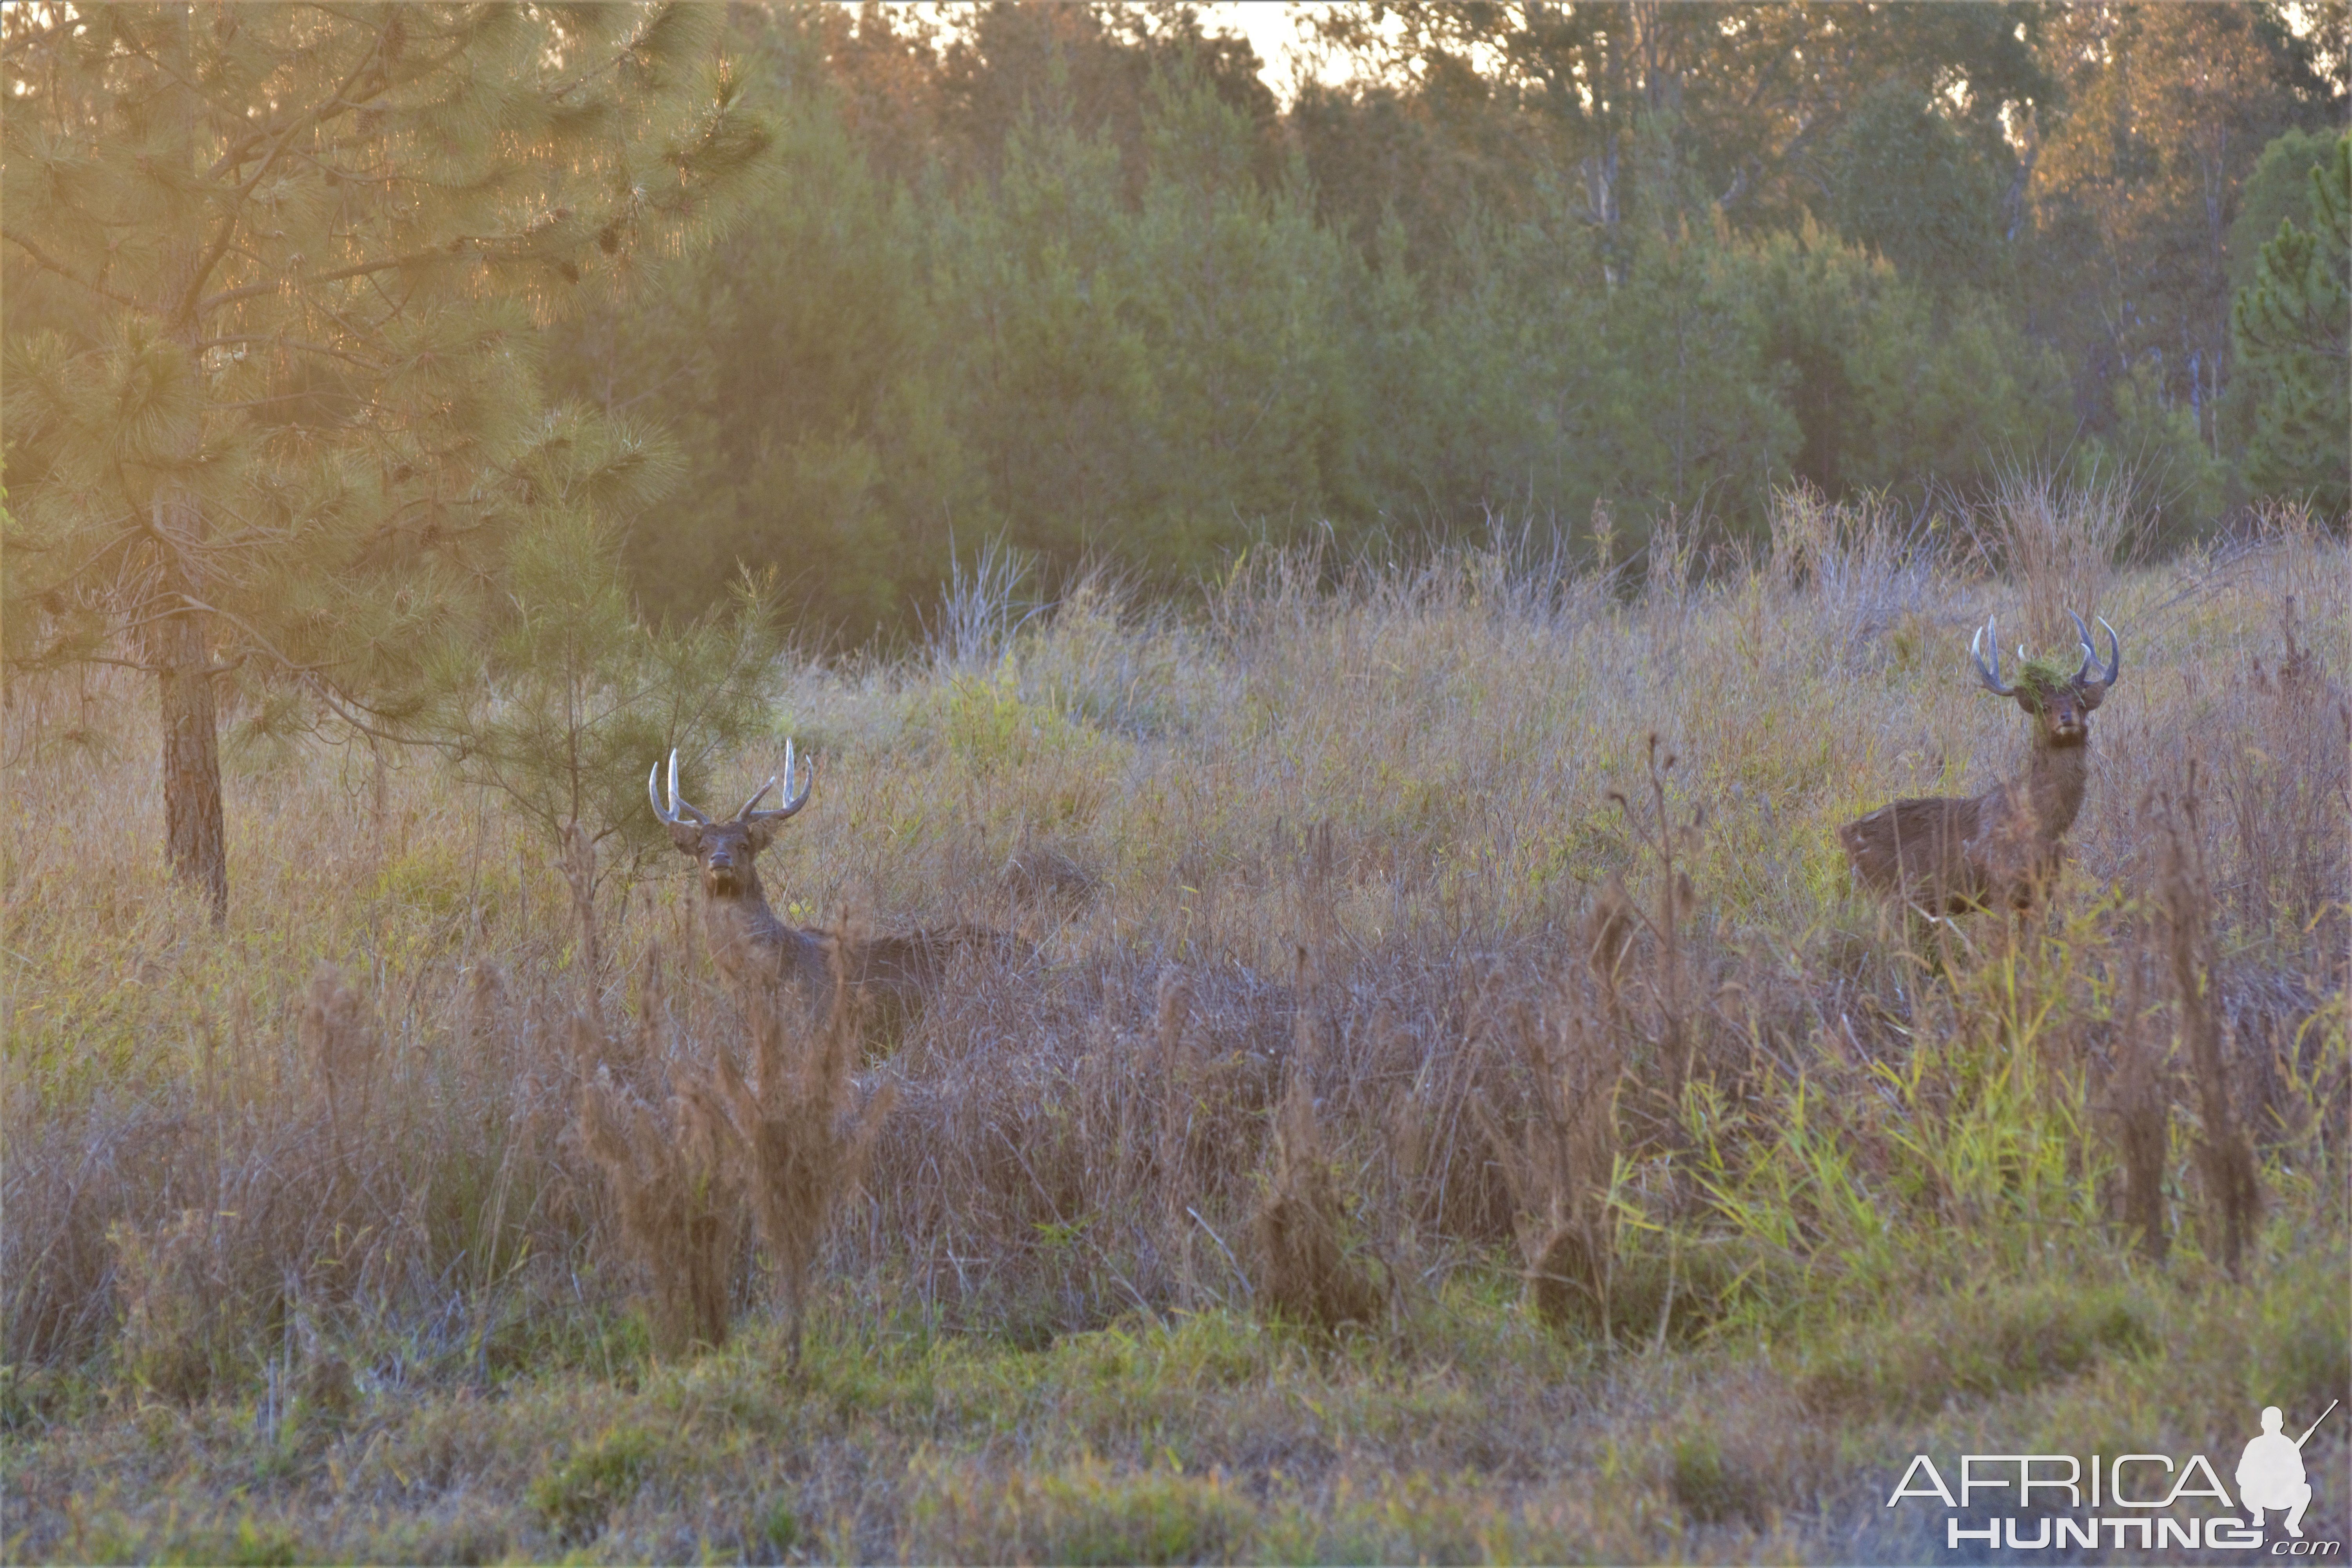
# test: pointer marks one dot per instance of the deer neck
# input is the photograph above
(742, 918)
(755, 950)
(2054, 780)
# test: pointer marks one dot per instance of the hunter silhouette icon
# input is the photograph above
(2269, 1472)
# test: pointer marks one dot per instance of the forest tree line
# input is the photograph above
(1073, 277)
(513, 379)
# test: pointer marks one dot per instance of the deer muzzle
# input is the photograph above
(719, 874)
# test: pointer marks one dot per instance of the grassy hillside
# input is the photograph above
(1460, 955)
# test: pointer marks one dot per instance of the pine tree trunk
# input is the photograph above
(195, 840)
(194, 836)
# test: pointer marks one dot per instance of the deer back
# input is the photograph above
(1916, 850)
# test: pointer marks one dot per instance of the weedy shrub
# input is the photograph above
(1088, 1513)
(179, 1323)
(1715, 1488)
(678, 1200)
(2057, 540)
(1306, 1274)
(1561, 1170)
(775, 1529)
(2225, 1159)
(798, 1138)
(1746, 1456)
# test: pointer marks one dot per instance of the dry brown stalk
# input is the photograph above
(1306, 1274)
(340, 1048)
(578, 863)
(674, 1194)
(1610, 932)
(1173, 1068)
(2225, 1156)
(2142, 1108)
(2058, 542)
(798, 1138)
(1560, 1170)
(653, 1006)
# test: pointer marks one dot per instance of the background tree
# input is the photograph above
(1910, 186)
(792, 360)
(2160, 113)
(271, 384)
(2293, 326)
(1070, 276)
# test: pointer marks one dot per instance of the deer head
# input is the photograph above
(726, 849)
(2062, 708)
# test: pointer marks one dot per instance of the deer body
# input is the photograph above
(1946, 854)
(761, 955)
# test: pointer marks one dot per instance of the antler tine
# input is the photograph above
(2082, 677)
(678, 810)
(758, 795)
(1989, 674)
(794, 799)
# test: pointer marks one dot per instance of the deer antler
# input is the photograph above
(679, 811)
(2091, 654)
(793, 800)
(1988, 673)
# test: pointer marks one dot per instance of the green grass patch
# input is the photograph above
(2005, 1338)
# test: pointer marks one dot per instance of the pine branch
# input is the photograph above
(50, 264)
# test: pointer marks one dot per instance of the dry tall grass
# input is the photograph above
(1758, 1096)
(799, 1135)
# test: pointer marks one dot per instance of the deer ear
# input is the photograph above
(2091, 693)
(687, 836)
(761, 831)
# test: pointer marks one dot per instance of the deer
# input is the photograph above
(1948, 854)
(760, 956)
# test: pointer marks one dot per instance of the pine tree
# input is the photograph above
(274, 274)
(2291, 326)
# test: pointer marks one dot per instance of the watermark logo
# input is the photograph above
(2061, 1504)
(2269, 1474)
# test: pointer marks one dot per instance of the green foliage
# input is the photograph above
(1087, 1513)
(2004, 1340)
(2276, 190)
(275, 412)
(777, 1526)
(2153, 445)
(2293, 323)
(791, 361)
(574, 1497)
(575, 692)
(1911, 187)
(580, 694)
(1715, 1488)
(251, 1544)
(1889, 385)
(1107, 320)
